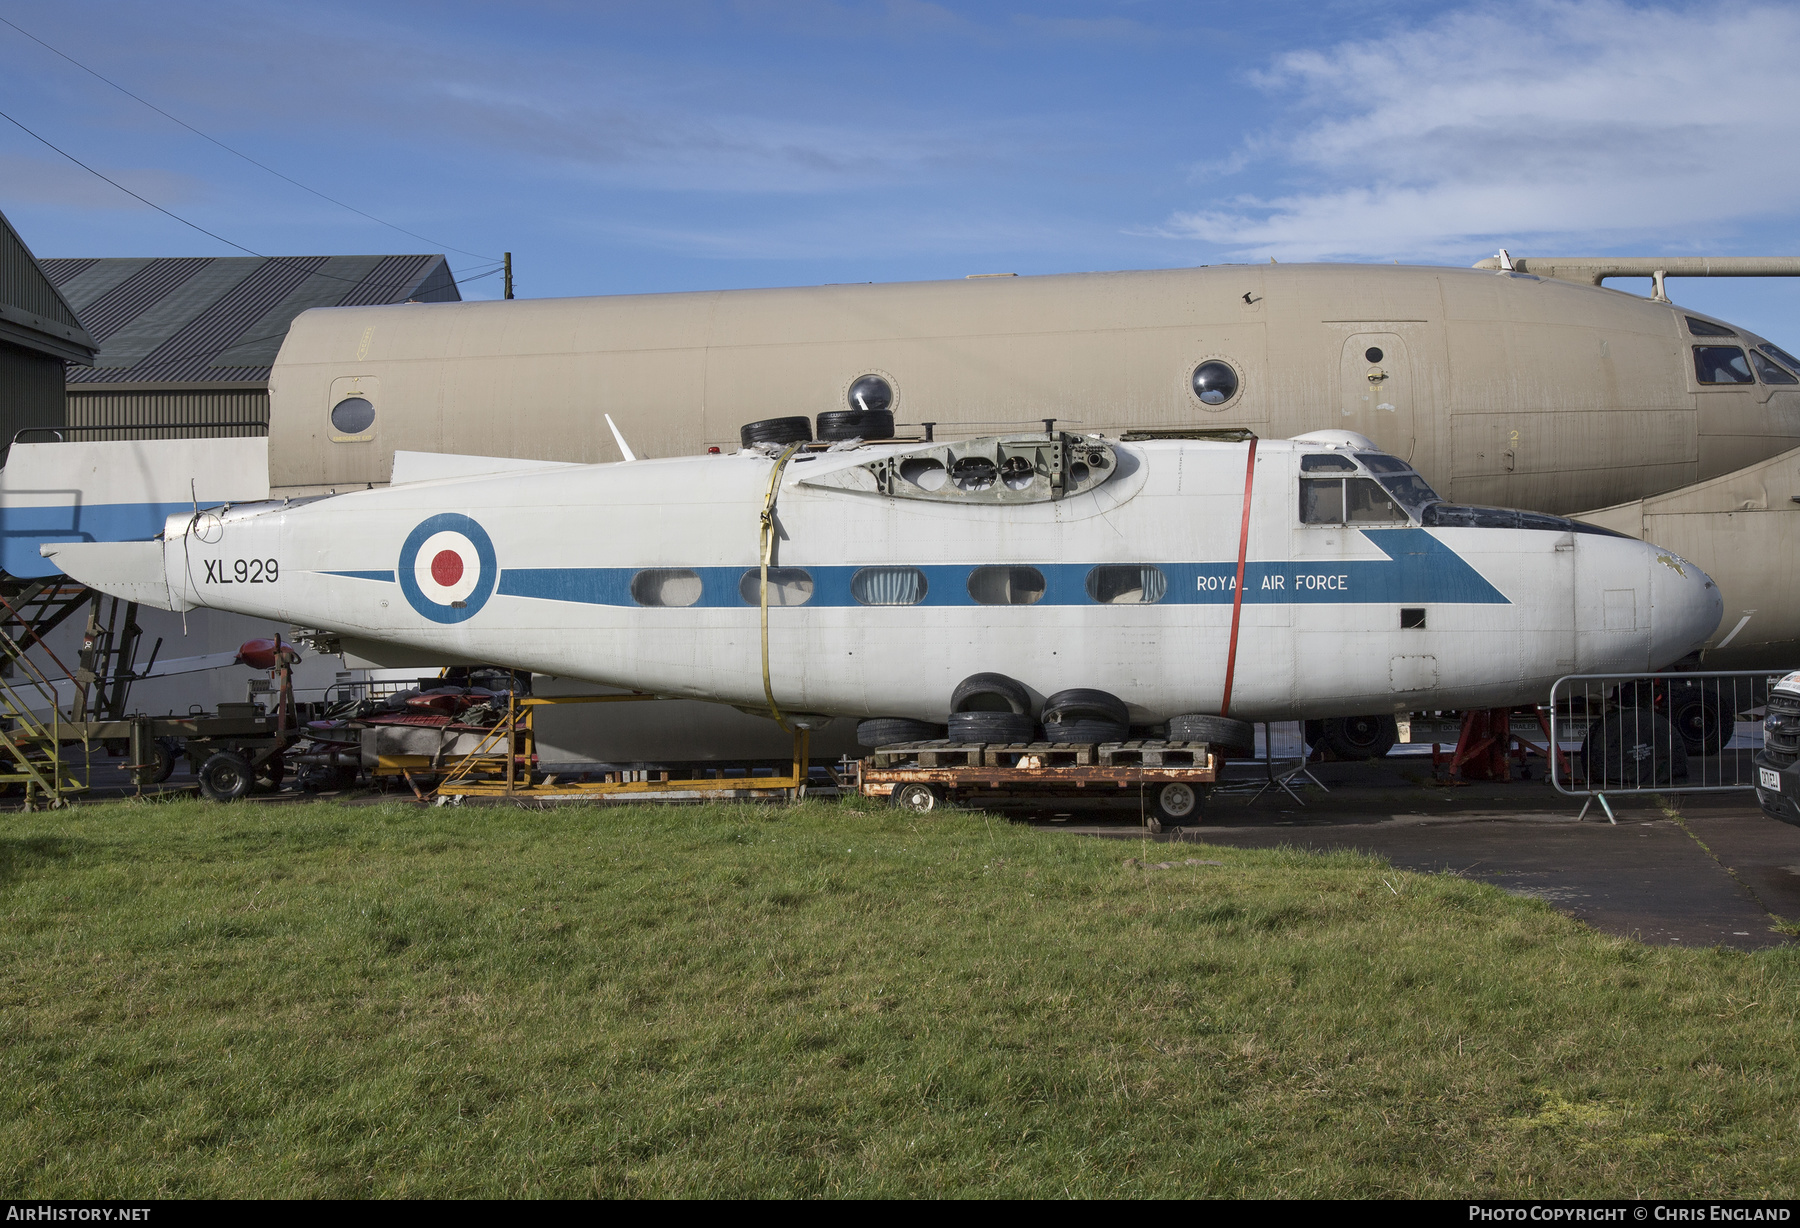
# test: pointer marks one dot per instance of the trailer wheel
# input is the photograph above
(1175, 802)
(920, 799)
(225, 777)
(167, 752)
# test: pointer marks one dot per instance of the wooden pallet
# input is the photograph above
(1038, 754)
(1153, 754)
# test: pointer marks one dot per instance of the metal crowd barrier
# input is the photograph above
(1656, 733)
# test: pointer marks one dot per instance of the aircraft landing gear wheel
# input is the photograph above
(919, 799)
(1358, 738)
(225, 777)
(1175, 803)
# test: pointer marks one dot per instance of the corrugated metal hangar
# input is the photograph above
(185, 341)
(38, 334)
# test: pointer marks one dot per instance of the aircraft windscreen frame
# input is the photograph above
(1428, 508)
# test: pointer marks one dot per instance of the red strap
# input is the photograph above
(1237, 593)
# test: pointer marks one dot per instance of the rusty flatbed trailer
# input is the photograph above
(1171, 778)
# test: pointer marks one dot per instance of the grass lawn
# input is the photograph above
(245, 1000)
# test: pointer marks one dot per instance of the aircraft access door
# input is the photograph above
(1375, 380)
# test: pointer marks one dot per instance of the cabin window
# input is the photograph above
(787, 586)
(1771, 372)
(1349, 501)
(666, 586)
(1721, 364)
(1412, 619)
(1133, 584)
(1006, 585)
(1328, 463)
(888, 586)
(352, 416)
(1706, 328)
(1215, 382)
(871, 392)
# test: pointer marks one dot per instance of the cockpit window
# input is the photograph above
(1410, 489)
(1721, 364)
(1365, 502)
(1328, 463)
(1780, 355)
(1381, 462)
(1348, 501)
(1706, 328)
(1771, 372)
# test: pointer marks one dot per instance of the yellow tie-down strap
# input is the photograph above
(767, 543)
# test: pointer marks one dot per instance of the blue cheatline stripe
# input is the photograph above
(24, 529)
(1418, 568)
(362, 575)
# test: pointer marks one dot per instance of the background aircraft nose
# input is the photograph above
(1685, 607)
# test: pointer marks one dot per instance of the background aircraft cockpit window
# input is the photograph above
(1328, 463)
(787, 586)
(1721, 364)
(666, 586)
(1006, 585)
(1134, 584)
(1706, 328)
(888, 586)
(1771, 371)
(1780, 355)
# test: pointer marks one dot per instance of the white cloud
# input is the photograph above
(1588, 122)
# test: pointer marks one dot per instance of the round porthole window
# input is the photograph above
(352, 416)
(871, 392)
(1373, 354)
(1215, 382)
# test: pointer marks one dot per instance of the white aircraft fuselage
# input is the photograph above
(894, 573)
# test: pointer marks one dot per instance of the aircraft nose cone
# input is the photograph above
(1685, 607)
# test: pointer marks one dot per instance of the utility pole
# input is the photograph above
(508, 256)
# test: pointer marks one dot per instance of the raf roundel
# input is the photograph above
(447, 568)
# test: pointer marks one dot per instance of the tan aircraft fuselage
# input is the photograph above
(1501, 387)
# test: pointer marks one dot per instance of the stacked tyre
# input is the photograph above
(776, 430)
(991, 708)
(1080, 716)
(841, 424)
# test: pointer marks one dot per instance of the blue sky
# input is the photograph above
(683, 145)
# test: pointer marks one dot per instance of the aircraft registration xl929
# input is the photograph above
(1269, 580)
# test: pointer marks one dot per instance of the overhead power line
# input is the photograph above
(90, 170)
(228, 149)
(49, 144)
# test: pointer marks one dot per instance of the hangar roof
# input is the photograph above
(220, 319)
(32, 313)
